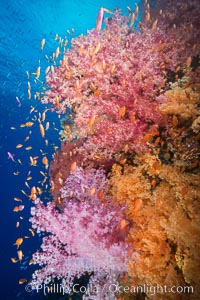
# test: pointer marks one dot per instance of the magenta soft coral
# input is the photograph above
(79, 242)
(85, 236)
(84, 185)
(102, 73)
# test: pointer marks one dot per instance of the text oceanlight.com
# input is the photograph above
(114, 288)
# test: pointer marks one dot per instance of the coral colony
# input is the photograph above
(126, 180)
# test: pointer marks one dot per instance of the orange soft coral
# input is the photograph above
(165, 228)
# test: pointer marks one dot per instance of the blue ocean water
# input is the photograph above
(23, 24)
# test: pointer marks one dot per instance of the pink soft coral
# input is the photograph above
(85, 236)
(79, 241)
(111, 81)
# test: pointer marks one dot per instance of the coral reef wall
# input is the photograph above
(126, 179)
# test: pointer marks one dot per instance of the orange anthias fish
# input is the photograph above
(18, 208)
(45, 162)
(18, 242)
(92, 191)
(73, 166)
(100, 18)
(42, 132)
(123, 223)
(42, 43)
(14, 260)
(22, 280)
(20, 255)
(33, 194)
(32, 231)
(132, 20)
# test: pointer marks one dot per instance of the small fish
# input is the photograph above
(66, 42)
(18, 199)
(154, 25)
(33, 194)
(126, 147)
(100, 194)
(112, 69)
(14, 260)
(12, 128)
(16, 173)
(91, 121)
(129, 9)
(43, 116)
(23, 192)
(153, 183)
(27, 185)
(27, 74)
(33, 162)
(32, 231)
(18, 208)
(99, 20)
(123, 224)
(92, 191)
(26, 138)
(39, 190)
(52, 185)
(57, 52)
(73, 166)
(31, 261)
(107, 10)
(122, 111)
(18, 242)
(28, 148)
(42, 132)
(18, 101)
(17, 224)
(96, 50)
(37, 73)
(20, 255)
(42, 43)
(29, 94)
(45, 162)
(11, 156)
(22, 280)
(53, 72)
(136, 10)
(47, 126)
(35, 157)
(19, 146)
(47, 70)
(132, 20)
(137, 205)
(42, 173)
(27, 124)
(147, 17)
(32, 109)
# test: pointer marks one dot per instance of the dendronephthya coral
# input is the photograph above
(126, 180)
